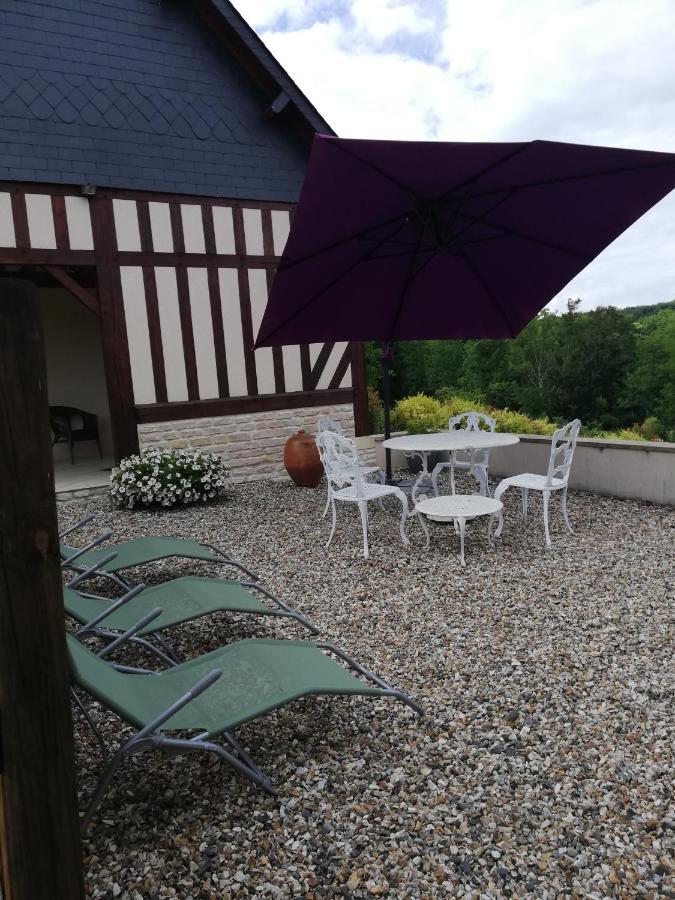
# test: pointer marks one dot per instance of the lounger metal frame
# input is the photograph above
(145, 739)
(126, 583)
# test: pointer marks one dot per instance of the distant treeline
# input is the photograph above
(611, 368)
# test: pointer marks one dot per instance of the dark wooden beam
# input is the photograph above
(40, 849)
(155, 333)
(218, 332)
(21, 187)
(268, 248)
(245, 303)
(341, 368)
(60, 222)
(230, 406)
(113, 331)
(85, 297)
(360, 386)
(15, 256)
(187, 333)
(20, 216)
(320, 364)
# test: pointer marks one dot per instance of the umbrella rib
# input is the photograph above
(512, 232)
(565, 178)
(409, 278)
(365, 162)
(289, 263)
(366, 256)
(488, 290)
(476, 175)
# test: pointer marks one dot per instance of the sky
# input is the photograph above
(585, 71)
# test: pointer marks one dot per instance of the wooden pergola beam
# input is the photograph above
(73, 287)
(40, 854)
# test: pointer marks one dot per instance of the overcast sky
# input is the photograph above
(587, 71)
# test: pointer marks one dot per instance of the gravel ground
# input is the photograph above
(543, 768)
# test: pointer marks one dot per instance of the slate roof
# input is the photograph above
(148, 95)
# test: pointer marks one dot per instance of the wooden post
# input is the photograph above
(40, 854)
(360, 385)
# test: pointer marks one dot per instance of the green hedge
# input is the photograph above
(420, 414)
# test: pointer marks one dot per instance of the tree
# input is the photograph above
(650, 387)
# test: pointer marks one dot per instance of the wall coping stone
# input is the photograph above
(600, 443)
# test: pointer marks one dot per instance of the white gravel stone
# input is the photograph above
(543, 769)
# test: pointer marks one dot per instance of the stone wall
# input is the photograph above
(637, 470)
(251, 444)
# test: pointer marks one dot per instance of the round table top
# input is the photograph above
(458, 506)
(451, 440)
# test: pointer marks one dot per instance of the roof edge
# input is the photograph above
(261, 64)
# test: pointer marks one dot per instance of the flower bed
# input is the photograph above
(168, 478)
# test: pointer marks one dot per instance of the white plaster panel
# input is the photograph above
(331, 365)
(138, 335)
(172, 335)
(223, 228)
(126, 225)
(7, 235)
(160, 226)
(78, 216)
(234, 340)
(292, 367)
(202, 329)
(253, 234)
(40, 221)
(264, 364)
(281, 225)
(347, 378)
(193, 228)
(314, 350)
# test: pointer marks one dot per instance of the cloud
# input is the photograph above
(586, 71)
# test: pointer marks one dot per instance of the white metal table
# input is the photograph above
(423, 444)
(458, 508)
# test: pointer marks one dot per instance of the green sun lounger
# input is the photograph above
(258, 676)
(140, 552)
(181, 600)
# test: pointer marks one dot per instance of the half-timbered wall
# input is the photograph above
(183, 284)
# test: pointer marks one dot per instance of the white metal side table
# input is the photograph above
(458, 508)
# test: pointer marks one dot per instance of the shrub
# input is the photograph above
(518, 423)
(375, 412)
(421, 414)
(418, 415)
(651, 428)
(168, 478)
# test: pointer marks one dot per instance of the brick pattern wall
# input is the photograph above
(252, 444)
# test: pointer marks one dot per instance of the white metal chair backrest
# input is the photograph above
(563, 444)
(471, 421)
(338, 454)
(326, 424)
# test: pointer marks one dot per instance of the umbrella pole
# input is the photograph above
(387, 352)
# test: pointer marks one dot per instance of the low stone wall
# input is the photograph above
(251, 444)
(638, 470)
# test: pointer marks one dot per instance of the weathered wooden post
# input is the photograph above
(40, 855)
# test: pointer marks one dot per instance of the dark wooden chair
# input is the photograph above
(71, 425)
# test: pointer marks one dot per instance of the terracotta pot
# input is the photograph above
(302, 461)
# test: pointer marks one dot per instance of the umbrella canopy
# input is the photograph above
(395, 240)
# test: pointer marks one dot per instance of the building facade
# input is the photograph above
(150, 157)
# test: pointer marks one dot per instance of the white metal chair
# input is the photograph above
(331, 425)
(326, 424)
(347, 483)
(474, 461)
(563, 444)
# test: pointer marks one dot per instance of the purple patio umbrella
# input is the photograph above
(398, 240)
